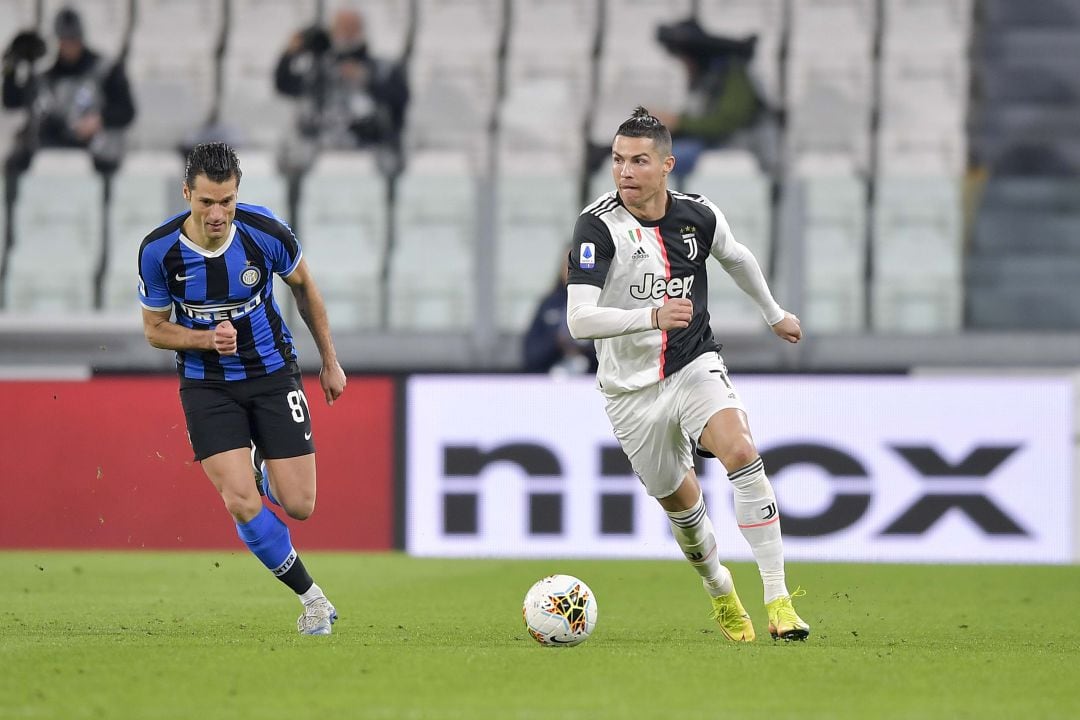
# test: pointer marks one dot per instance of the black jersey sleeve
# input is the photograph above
(591, 252)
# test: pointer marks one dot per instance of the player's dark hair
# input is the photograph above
(642, 124)
(216, 160)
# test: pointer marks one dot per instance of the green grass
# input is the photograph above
(212, 635)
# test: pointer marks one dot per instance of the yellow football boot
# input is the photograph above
(784, 622)
(730, 614)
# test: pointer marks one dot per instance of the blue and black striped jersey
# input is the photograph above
(235, 283)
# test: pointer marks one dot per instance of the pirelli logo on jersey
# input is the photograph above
(217, 313)
(654, 287)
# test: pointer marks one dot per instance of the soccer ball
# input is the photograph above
(560, 610)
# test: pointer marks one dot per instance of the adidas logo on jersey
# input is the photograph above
(640, 254)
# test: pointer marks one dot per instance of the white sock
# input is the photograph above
(312, 593)
(694, 532)
(759, 522)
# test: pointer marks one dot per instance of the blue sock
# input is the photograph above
(264, 482)
(268, 538)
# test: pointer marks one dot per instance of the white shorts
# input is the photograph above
(659, 426)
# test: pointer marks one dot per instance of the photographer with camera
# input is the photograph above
(348, 98)
(82, 101)
(722, 100)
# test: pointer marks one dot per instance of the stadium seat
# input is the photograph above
(343, 230)
(559, 31)
(658, 83)
(917, 305)
(926, 25)
(258, 32)
(261, 183)
(432, 268)
(172, 73)
(548, 65)
(917, 249)
(453, 85)
(923, 112)
(833, 27)
(437, 21)
(829, 101)
(834, 248)
(58, 245)
(145, 191)
(452, 102)
(536, 207)
(629, 28)
(561, 90)
(733, 181)
(19, 15)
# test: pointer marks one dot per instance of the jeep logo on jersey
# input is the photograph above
(657, 287)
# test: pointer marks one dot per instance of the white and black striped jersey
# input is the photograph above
(640, 264)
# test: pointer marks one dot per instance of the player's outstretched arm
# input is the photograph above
(164, 334)
(310, 304)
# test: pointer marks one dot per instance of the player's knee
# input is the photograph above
(299, 508)
(739, 455)
(243, 507)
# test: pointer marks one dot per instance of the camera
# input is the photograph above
(26, 46)
(315, 40)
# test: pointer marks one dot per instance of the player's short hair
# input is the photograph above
(642, 124)
(216, 160)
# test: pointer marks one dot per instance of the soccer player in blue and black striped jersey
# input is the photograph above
(206, 287)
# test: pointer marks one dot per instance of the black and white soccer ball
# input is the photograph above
(560, 610)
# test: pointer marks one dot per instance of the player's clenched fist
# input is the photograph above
(788, 328)
(225, 338)
(674, 314)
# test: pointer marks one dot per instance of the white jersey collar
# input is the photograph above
(203, 251)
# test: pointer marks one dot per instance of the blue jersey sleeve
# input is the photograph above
(153, 287)
(274, 236)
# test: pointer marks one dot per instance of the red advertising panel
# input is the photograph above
(106, 463)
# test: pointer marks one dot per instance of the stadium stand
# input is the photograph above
(258, 32)
(144, 192)
(734, 180)
(536, 206)
(57, 250)
(174, 74)
(435, 217)
(1023, 259)
(929, 154)
(834, 268)
(343, 221)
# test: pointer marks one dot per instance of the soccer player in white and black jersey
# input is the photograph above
(638, 285)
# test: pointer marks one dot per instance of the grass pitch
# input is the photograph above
(212, 635)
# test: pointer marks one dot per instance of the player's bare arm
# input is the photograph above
(164, 334)
(312, 309)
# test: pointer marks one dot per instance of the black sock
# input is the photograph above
(297, 577)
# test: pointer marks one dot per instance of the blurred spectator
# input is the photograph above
(348, 99)
(548, 346)
(83, 100)
(721, 99)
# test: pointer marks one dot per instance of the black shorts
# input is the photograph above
(272, 411)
